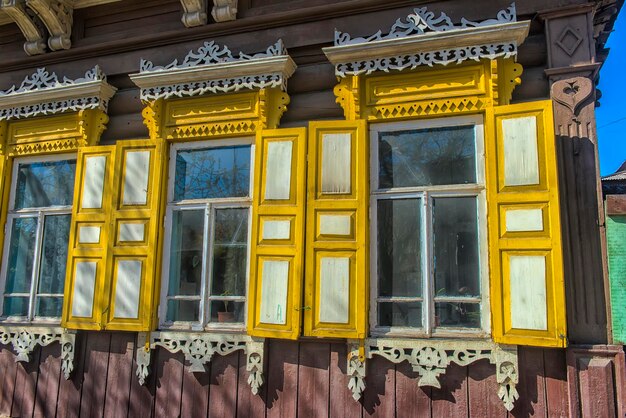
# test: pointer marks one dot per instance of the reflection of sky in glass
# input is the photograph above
(427, 157)
(46, 183)
(212, 173)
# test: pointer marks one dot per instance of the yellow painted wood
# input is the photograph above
(110, 249)
(353, 204)
(149, 215)
(88, 252)
(291, 249)
(503, 244)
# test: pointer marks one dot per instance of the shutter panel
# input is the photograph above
(277, 253)
(83, 302)
(132, 267)
(527, 286)
(337, 230)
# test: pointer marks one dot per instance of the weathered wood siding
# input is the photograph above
(302, 379)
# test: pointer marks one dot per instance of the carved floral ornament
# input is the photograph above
(24, 340)
(424, 39)
(214, 69)
(199, 349)
(430, 358)
(42, 93)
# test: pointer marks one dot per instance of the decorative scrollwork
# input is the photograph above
(199, 349)
(224, 10)
(419, 43)
(25, 339)
(214, 69)
(41, 79)
(225, 85)
(355, 370)
(254, 364)
(423, 21)
(430, 58)
(211, 53)
(430, 359)
(30, 98)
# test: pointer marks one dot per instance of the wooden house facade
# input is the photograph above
(263, 208)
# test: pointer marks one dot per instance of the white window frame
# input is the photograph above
(39, 213)
(209, 206)
(427, 193)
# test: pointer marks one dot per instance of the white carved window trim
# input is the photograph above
(24, 340)
(199, 349)
(40, 213)
(209, 206)
(430, 359)
(426, 193)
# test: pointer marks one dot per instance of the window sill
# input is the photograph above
(24, 337)
(430, 357)
(450, 334)
(199, 347)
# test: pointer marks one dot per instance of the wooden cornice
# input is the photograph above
(240, 25)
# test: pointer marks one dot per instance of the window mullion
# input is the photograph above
(34, 282)
(207, 273)
(427, 304)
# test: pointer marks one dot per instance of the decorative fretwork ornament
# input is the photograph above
(25, 339)
(430, 359)
(199, 349)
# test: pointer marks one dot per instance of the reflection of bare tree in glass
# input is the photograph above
(427, 156)
(212, 173)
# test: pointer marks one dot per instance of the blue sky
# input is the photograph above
(611, 115)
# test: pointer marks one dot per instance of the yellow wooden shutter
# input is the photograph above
(84, 300)
(527, 288)
(276, 259)
(337, 230)
(134, 222)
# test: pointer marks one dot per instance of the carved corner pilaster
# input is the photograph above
(92, 124)
(25, 339)
(57, 15)
(506, 76)
(255, 350)
(195, 13)
(507, 375)
(356, 368)
(31, 28)
(224, 10)
(152, 114)
(347, 96)
(272, 106)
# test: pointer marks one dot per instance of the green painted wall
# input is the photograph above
(616, 240)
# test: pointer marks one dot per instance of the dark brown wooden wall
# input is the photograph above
(302, 379)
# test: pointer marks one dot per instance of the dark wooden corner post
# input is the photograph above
(572, 71)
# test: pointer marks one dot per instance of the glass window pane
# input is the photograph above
(15, 306)
(227, 311)
(230, 252)
(21, 255)
(400, 314)
(454, 314)
(49, 307)
(456, 258)
(183, 310)
(421, 157)
(399, 248)
(212, 173)
(45, 183)
(186, 252)
(54, 254)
